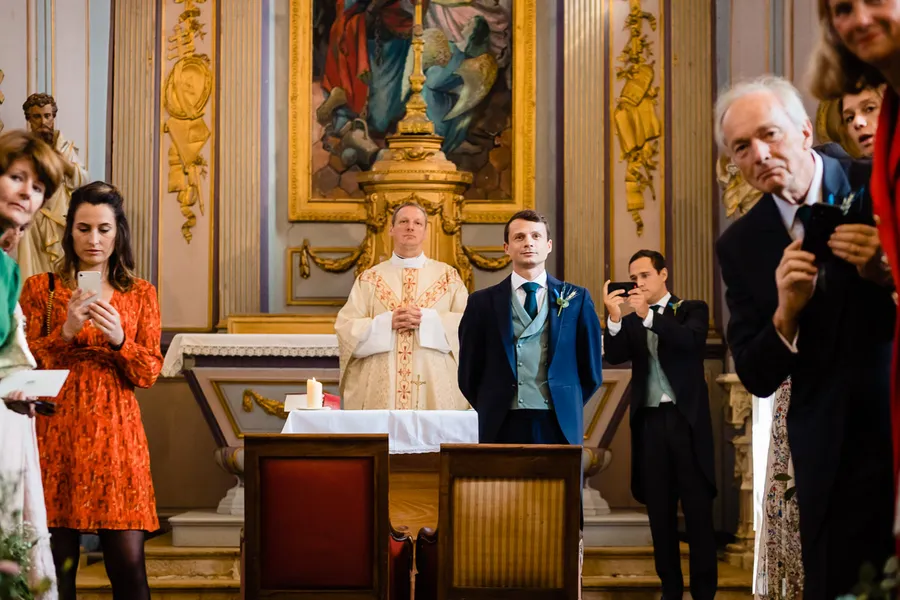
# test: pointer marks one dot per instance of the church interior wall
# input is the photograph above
(238, 260)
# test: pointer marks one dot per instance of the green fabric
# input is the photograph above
(657, 382)
(532, 339)
(11, 283)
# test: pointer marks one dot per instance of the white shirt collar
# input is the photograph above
(518, 280)
(789, 210)
(664, 301)
(408, 263)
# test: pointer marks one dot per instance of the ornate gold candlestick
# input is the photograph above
(414, 168)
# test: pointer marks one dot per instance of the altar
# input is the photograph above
(240, 382)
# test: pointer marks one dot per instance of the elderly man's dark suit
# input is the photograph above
(838, 420)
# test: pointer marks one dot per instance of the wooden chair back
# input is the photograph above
(316, 518)
(509, 522)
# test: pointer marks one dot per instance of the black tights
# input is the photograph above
(123, 557)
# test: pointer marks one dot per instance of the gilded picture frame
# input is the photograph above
(304, 205)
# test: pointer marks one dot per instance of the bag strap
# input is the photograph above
(51, 285)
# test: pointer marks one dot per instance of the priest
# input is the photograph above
(398, 331)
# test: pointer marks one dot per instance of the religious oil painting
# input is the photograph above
(350, 66)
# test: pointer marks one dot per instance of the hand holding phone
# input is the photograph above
(823, 220)
(614, 295)
(91, 284)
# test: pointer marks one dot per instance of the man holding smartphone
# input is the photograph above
(671, 429)
(826, 323)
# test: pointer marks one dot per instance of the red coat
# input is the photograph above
(885, 186)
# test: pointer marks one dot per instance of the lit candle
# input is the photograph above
(314, 396)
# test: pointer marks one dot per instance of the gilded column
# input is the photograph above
(239, 157)
(693, 162)
(584, 148)
(132, 122)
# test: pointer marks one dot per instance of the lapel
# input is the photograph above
(502, 296)
(556, 322)
(835, 186)
(773, 238)
(669, 310)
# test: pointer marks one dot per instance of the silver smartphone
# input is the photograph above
(91, 282)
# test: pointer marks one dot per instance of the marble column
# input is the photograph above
(693, 198)
(240, 132)
(134, 126)
(584, 144)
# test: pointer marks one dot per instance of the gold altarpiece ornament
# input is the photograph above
(414, 169)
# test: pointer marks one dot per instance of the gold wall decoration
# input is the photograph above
(269, 406)
(2, 98)
(737, 195)
(186, 93)
(637, 123)
(321, 187)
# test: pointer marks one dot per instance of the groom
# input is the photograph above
(529, 347)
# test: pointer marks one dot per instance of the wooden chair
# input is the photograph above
(508, 525)
(317, 519)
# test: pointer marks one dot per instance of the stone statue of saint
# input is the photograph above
(41, 248)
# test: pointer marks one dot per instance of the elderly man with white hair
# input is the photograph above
(821, 316)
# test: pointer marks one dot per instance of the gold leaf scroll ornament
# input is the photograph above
(187, 91)
(269, 406)
(637, 124)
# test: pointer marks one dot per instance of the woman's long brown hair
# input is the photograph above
(120, 268)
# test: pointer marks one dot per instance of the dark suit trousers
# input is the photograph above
(530, 426)
(671, 472)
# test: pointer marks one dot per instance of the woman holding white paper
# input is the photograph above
(30, 171)
(94, 455)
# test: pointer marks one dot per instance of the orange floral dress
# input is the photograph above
(94, 457)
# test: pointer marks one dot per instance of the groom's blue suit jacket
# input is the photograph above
(487, 357)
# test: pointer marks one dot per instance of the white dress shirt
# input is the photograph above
(614, 327)
(789, 210)
(794, 226)
(541, 293)
(659, 307)
(380, 337)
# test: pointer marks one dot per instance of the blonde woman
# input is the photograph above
(30, 171)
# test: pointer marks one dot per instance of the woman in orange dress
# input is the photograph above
(94, 456)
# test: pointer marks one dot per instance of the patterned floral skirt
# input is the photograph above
(780, 568)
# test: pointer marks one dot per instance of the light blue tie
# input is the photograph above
(531, 289)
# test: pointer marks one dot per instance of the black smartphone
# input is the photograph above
(41, 407)
(45, 408)
(625, 286)
(823, 220)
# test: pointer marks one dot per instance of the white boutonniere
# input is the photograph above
(563, 296)
(675, 306)
(850, 198)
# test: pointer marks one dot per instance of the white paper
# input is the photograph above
(34, 384)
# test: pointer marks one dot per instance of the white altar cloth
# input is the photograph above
(409, 431)
(245, 344)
